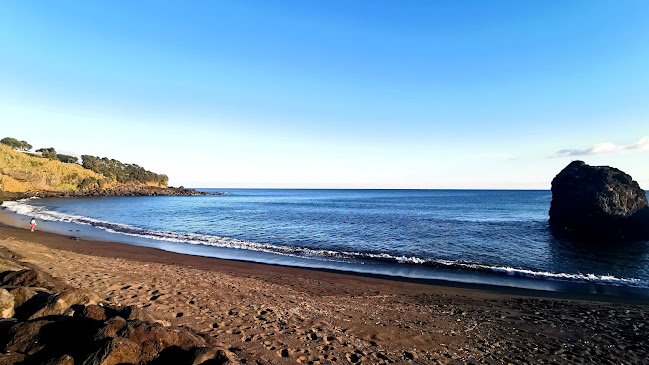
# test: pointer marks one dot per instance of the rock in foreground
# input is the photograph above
(43, 321)
(598, 203)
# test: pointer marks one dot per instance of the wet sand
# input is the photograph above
(281, 315)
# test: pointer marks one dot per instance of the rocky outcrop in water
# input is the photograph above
(141, 190)
(44, 321)
(598, 203)
(121, 190)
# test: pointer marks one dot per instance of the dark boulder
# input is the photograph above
(110, 328)
(62, 302)
(55, 324)
(92, 311)
(211, 355)
(132, 312)
(31, 277)
(114, 351)
(5, 325)
(6, 304)
(11, 358)
(28, 300)
(598, 203)
(61, 360)
(141, 332)
(25, 338)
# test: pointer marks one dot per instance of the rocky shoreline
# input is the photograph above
(132, 190)
(123, 190)
(45, 321)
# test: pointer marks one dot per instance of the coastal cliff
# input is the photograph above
(24, 175)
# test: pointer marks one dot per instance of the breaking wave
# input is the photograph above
(24, 208)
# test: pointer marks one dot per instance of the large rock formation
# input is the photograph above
(598, 203)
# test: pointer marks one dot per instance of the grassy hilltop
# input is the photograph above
(24, 172)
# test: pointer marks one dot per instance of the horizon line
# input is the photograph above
(286, 188)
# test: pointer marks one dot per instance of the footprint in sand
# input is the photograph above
(283, 353)
(408, 356)
(355, 357)
(381, 357)
(316, 359)
(289, 331)
(253, 338)
(274, 345)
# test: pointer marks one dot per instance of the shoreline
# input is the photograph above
(278, 314)
(151, 254)
(479, 280)
(498, 282)
(129, 190)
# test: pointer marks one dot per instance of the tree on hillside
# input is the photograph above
(16, 144)
(52, 155)
(121, 172)
(66, 158)
(88, 183)
(48, 152)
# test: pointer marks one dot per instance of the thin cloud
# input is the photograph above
(601, 148)
(642, 144)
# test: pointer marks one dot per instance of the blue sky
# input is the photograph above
(346, 94)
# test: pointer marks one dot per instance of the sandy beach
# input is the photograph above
(278, 315)
(324, 182)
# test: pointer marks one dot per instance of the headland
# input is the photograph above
(48, 174)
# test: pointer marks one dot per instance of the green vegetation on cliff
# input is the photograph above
(121, 172)
(16, 144)
(52, 155)
(22, 172)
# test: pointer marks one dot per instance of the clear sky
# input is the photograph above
(344, 94)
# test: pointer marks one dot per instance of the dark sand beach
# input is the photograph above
(368, 182)
(280, 315)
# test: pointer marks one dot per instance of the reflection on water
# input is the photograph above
(624, 259)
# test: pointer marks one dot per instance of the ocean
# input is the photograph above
(471, 236)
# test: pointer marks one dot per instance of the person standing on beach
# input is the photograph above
(33, 223)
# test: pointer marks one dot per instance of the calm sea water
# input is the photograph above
(493, 237)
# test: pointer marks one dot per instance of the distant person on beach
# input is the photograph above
(33, 223)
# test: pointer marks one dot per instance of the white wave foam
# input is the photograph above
(22, 207)
(606, 279)
(19, 206)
